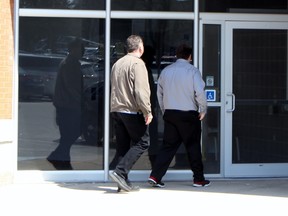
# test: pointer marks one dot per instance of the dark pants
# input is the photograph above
(132, 139)
(69, 122)
(180, 126)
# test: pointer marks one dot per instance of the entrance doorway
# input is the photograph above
(256, 99)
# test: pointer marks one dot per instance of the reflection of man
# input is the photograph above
(68, 103)
(131, 110)
(148, 58)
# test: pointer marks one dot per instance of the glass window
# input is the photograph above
(153, 5)
(212, 59)
(244, 6)
(211, 140)
(212, 75)
(63, 4)
(235, 6)
(161, 37)
(43, 44)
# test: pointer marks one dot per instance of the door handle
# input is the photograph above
(230, 94)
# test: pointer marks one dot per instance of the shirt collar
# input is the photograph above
(133, 54)
(182, 60)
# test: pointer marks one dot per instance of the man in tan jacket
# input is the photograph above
(130, 109)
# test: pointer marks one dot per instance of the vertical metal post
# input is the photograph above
(15, 96)
(196, 34)
(107, 89)
(286, 65)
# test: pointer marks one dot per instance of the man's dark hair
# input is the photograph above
(148, 55)
(132, 43)
(183, 51)
(76, 47)
(74, 44)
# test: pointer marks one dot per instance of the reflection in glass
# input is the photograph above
(224, 6)
(63, 4)
(212, 76)
(40, 52)
(240, 6)
(43, 44)
(212, 58)
(211, 140)
(153, 5)
(68, 103)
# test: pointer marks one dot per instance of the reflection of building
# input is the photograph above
(242, 55)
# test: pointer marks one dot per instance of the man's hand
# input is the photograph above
(201, 116)
(148, 118)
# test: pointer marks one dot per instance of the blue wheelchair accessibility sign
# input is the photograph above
(211, 95)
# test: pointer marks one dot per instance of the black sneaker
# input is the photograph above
(203, 183)
(152, 181)
(120, 181)
(60, 165)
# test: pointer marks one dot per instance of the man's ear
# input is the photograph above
(141, 49)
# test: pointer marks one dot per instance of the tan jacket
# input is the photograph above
(130, 91)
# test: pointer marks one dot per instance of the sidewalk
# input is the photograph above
(223, 197)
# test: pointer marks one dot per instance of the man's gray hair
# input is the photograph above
(132, 43)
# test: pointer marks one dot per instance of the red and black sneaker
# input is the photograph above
(203, 183)
(153, 181)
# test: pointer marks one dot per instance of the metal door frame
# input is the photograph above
(219, 104)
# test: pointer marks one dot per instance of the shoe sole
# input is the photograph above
(152, 182)
(120, 182)
(155, 184)
(199, 185)
(136, 188)
(158, 186)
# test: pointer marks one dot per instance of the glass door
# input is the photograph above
(256, 99)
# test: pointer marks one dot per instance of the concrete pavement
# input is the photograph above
(223, 197)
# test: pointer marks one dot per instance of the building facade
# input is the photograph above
(7, 166)
(240, 48)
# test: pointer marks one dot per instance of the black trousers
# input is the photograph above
(180, 126)
(132, 140)
(69, 122)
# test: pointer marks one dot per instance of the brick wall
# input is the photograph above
(6, 58)
(7, 158)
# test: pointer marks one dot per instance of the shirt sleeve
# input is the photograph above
(142, 88)
(200, 95)
(160, 94)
